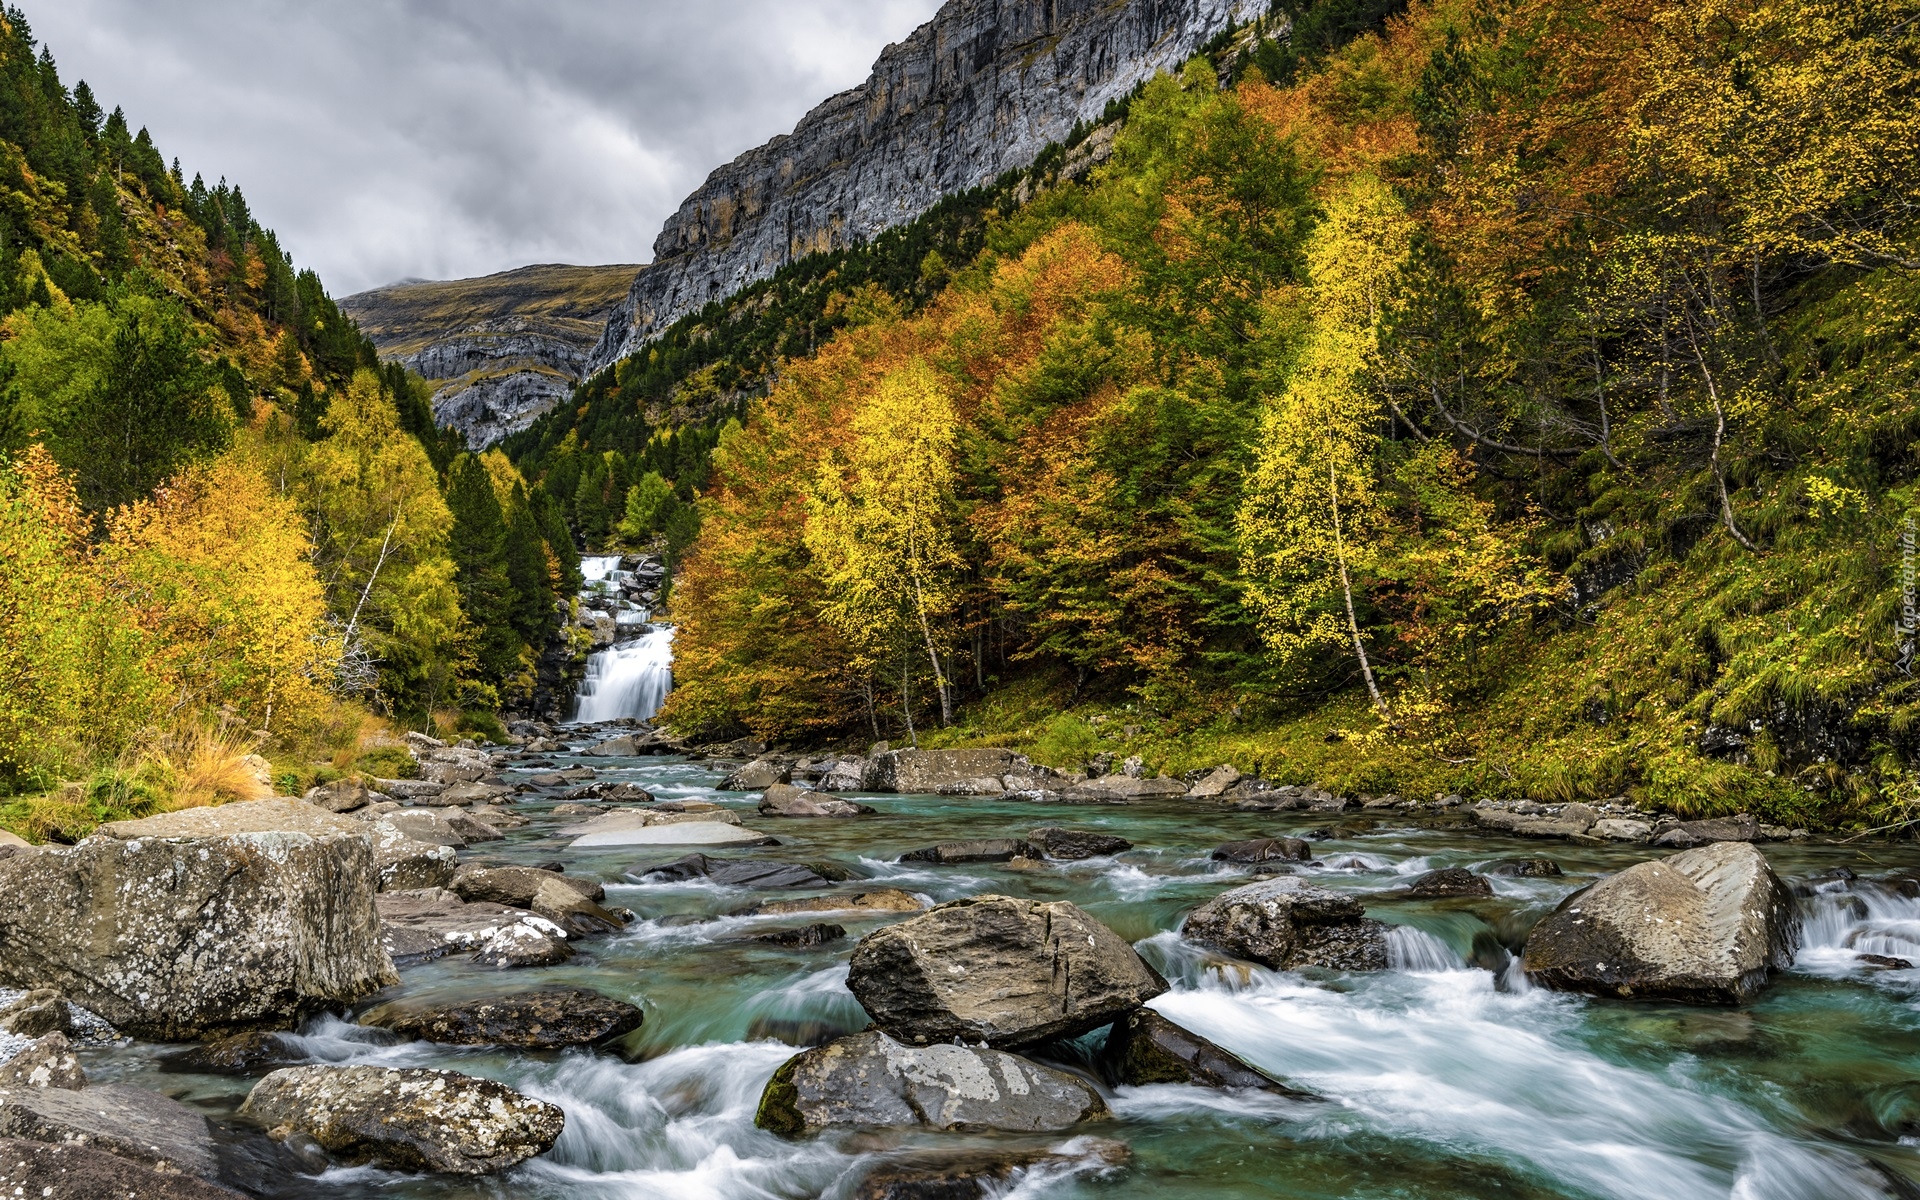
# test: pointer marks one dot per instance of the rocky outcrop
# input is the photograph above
(980, 89)
(410, 1120)
(1287, 923)
(502, 349)
(870, 1080)
(1705, 926)
(204, 921)
(998, 970)
(1144, 1047)
(544, 1020)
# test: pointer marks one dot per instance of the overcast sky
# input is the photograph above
(386, 139)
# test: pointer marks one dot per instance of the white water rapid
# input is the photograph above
(628, 680)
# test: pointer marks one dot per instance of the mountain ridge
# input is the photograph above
(981, 88)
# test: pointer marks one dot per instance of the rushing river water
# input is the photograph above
(1440, 1079)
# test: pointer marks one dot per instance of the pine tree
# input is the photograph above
(526, 556)
(480, 561)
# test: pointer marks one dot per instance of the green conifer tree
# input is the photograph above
(526, 554)
(480, 559)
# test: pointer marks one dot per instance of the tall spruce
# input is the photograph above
(480, 559)
(526, 560)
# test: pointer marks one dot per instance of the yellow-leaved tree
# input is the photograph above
(879, 526)
(1313, 513)
(381, 530)
(219, 567)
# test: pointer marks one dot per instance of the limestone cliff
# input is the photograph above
(982, 88)
(502, 349)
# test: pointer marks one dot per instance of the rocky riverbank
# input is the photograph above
(944, 971)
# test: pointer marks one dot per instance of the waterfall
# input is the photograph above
(628, 680)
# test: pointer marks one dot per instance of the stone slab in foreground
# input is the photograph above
(199, 922)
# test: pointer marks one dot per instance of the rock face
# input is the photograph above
(545, 1020)
(130, 1122)
(871, 1080)
(411, 1120)
(74, 1172)
(981, 88)
(501, 350)
(1287, 923)
(998, 970)
(174, 937)
(1704, 926)
(1144, 1047)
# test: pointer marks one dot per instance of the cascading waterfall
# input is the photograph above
(629, 680)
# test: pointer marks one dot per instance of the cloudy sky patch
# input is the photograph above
(385, 139)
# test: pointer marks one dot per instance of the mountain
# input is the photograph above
(982, 88)
(501, 349)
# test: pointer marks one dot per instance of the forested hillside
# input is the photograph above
(227, 529)
(1519, 399)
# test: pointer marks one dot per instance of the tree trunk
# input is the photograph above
(1719, 435)
(1346, 590)
(933, 656)
(906, 701)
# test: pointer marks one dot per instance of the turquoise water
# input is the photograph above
(1440, 1079)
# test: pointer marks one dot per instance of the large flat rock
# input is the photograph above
(927, 771)
(80, 1172)
(607, 831)
(174, 935)
(130, 1122)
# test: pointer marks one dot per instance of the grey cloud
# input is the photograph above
(446, 138)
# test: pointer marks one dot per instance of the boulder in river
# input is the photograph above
(130, 1122)
(39, 1012)
(516, 886)
(785, 800)
(1116, 788)
(405, 864)
(1258, 850)
(239, 1054)
(1705, 926)
(47, 1061)
(1073, 845)
(982, 850)
(870, 1080)
(1288, 923)
(880, 900)
(564, 905)
(543, 1020)
(420, 926)
(201, 921)
(1525, 868)
(1144, 1047)
(733, 872)
(1447, 883)
(981, 1175)
(757, 776)
(641, 827)
(409, 1120)
(999, 970)
(807, 936)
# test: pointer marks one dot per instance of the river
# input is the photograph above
(1440, 1080)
